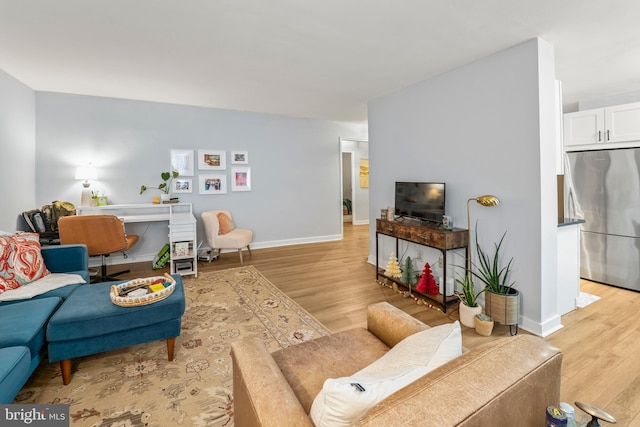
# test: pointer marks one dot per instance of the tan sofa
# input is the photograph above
(506, 382)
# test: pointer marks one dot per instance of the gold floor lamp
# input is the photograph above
(487, 200)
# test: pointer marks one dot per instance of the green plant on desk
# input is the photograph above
(165, 185)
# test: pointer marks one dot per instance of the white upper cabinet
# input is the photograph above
(583, 127)
(602, 127)
(622, 122)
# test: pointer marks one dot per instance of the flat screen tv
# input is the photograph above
(420, 200)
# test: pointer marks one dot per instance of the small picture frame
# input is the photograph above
(213, 184)
(182, 185)
(212, 160)
(241, 179)
(182, 161)
(181, 248)
(383, 214)
(239, 157)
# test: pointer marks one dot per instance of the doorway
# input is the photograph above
(347, 187)
(354, 180)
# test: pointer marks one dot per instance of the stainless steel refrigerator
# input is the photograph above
(605, 184)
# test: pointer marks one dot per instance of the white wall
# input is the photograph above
(17, 150)
(618, 99)
(484, 128)
(294, 162)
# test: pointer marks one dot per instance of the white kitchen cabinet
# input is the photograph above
(622, 122)
(583, 127)
(602, 127)
(182, 240)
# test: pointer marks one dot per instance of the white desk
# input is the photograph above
(140, 212)
(181, 227)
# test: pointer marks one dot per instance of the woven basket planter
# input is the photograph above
(503, 308)
(483, 327)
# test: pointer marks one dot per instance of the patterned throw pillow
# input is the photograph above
(21, 261)
(226, 224)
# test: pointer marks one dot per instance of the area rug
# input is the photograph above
(137, 386)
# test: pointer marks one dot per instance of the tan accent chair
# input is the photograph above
(103, 235)
(504, 383)
(238, 238)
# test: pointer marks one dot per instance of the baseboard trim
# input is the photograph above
(299, 241)
(543, 329)
(135, 257)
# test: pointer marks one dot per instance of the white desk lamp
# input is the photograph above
(86, 173)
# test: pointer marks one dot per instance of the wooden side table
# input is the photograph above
(427, 235)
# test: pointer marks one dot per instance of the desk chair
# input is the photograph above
(103, 235)
(225, 235)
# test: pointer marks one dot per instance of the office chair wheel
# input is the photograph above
(596, 414)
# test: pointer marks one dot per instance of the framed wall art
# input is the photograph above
(212, 160)
(182, 185)
(212, 184)
(241, 179)
(239, 157)
(182, 161)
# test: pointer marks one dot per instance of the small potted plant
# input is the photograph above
(165, 185)
(483, 324)
(468, 306)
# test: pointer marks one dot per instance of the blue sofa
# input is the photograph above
(23, 323)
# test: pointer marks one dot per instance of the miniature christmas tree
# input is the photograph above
(427, 283)
(393, 268)
(408, 273)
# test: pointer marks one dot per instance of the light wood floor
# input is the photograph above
(334, 282)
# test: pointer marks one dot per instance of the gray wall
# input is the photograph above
(17, 150)
(484, 128)
(294, 162)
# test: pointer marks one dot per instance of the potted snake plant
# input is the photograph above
(502, 301)
(468, 307)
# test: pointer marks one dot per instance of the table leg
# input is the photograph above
(377, 268)
(171, 343)
(65, 368)
(444, 280)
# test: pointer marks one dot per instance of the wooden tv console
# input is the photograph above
(426, 235)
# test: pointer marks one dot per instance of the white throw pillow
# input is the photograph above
(343, 401)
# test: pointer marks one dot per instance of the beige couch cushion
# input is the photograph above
(307, 365)
(509, 379)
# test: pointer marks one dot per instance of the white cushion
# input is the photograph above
(40, 286)
(343, 401)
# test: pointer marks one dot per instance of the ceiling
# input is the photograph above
(320, 59)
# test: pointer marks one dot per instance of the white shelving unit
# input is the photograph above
(182, 240)
(182, 228)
